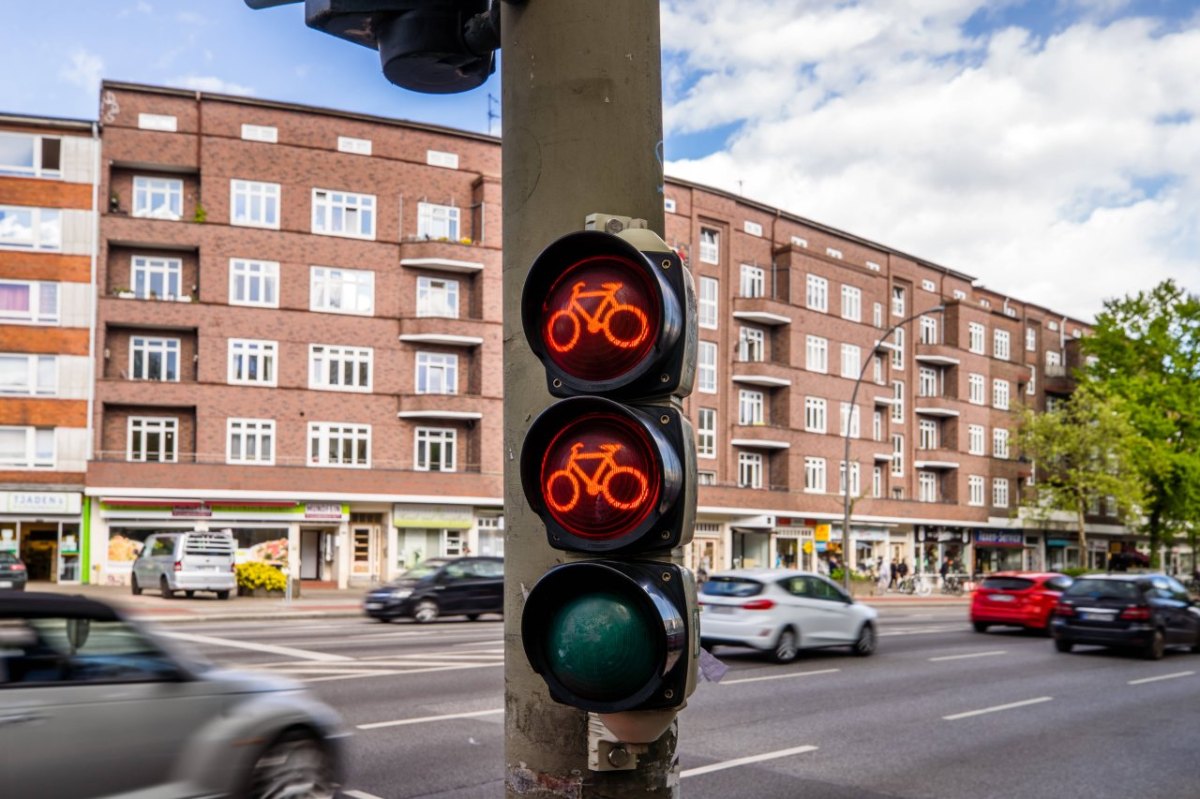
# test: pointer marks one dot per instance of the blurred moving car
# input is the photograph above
(782, 611)
(188, 562)
(13, 573)
(1015, 598)
(469, 586)
(93, 705)
(1147, 612)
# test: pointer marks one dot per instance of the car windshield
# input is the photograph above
(1007, 583)
(731, 586)
(424, 569)
(1103, 589)
(7, 557)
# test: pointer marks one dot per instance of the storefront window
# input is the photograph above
(256, 545)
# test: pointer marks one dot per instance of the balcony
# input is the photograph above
(936, 459)
(761, 436)
(150, 393)
(934, 406)
(177, 315)
(442, 256)
(1010, 371)
(469, 407)
(146, 232)
(762, 373)
(936, 355)
(1058, 380)
(762, 311)
(445, 331)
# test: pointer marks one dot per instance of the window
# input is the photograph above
(706, 434)
(709, 246)
(753, 228)
(876, 481)
(250, 441)
(708, 302)
(975, 389)
(706, 478)
(897, 455)
(877, 370)
(1000, 394)
(1031, 339)
(29, 228)
(927, 487)
(851, 418)
(929, 382)
(339, 368)
(158, 198)
(814, 475)
(706, 368)
(898, 405)
(855, 483)
(750, 470)
(874, 267)
(959, 294)
(833, 252)
(349, 144)
(817, 294)
(751, 345)
(165, 122)
(975, 490)
(669, 205)
(28, 375)
(437, 297)
(156, 278)
(335, 444)
(437, 373)
(999, 492)
(897, 301)
(437, 221)
(23, 302)
(253, 283)
(928, 285)
(30, 156)
(851, 361)
(153, 438)
(1053, 359)
(348, 291)
(817, 354)
(877, 314)
(434, 449)
(898, 350)
(254, 204)
(799, 241)
(750, 407)
(753, 281)
(1031, 386)
(975, 334)
(154, 358)
(252, 362)
(1000, 344)
(928, 434)
(267, 133)
(877, 425)
(443, 159)
(814, 414)
(999, 442)
(341, 213)
(929, 330)
(852, 303)
(27, 447)
(975, 435)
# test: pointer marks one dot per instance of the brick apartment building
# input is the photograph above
(298, 338)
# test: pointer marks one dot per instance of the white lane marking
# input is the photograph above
(742, 761)
(997, 708)
(286, 651)
(779, 676)
(921, 630)
(971, 655)
(424, 719)
(1161, 677)
(360, 795)
(385, 672)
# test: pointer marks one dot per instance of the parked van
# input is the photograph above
(188, 562)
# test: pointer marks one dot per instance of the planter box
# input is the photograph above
(265, 593)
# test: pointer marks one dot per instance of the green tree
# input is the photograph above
(1082, 450)
(1145, 354)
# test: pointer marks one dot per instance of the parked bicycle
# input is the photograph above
(953, 585)
(915, 584)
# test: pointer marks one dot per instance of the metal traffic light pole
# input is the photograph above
(582, 134)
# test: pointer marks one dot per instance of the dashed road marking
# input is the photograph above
(997, 708)
(743, 761)
(426, 719)
(969, 655)
(779, 676)
(1161, 677)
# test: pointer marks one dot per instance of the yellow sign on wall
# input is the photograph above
(821, 532)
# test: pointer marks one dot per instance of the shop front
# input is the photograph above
(45, 530)
(998, 550)
(420, 532)
(935, 544)
(706, 553)
(1062, 551)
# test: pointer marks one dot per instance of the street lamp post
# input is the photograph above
(846, 440)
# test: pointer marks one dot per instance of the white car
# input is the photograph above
(782, 611)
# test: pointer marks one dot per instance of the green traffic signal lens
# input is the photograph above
(601, 647)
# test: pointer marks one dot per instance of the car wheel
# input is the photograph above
(865, 645)
(786, 647)
(1063, 645)
(980, 626)
(190, 594)
(425, 611)
(472, 617)
(1157, 647)
(133, 585)
(295, 765)
(222, 595)
(165, 588)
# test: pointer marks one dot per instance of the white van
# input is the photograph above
(188, 562)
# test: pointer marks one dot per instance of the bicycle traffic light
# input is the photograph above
(610, 469)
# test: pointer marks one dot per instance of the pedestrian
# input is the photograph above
(944, 569)
(886, 575)
(902, 569)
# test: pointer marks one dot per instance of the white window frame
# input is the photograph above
(751, 470)
(851, 303)
(706, 433)
(343, 213)
(1001, 345)
(929, 333)
(1031, 386)
(37, 162)
(855, 478)
(816, 354)
(877, 314)
(149, 192)
(898, 350)
(263, 133)
(30, 457)
(260, 204)
(814, 475)
(1030, 338)
(166, 348)
(1000, 443)
(976, 389)
(710, 246)
(43, 226)
(35, 375)
(854, 418)
(975, 490)
(929, 381)
(169, 271)
(440, 368)
(424, 438)
(897, 455)
(899, 297)
(752, 281)
(438, 221)
(437, 296)
(166, 427)
(976, 335)
(877, 425)
(816, 414)
(816, 293)
(927, 487)
(324, 357)
(1001, 394)
(976, 436)
(441, 158)
(349, 144)
(706, 367)
(329, 437)
(752, 344)
(928, 434)
(851, 361)
(751, 407)
(253, 356)
(1000, 496)
(876, 482)
(248, 277)
(333, 289)
(898, 405)
(708, 303)
(39, 293)
(254, 435)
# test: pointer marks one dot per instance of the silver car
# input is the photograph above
(188, 562)
(782, 611)
(93, 705)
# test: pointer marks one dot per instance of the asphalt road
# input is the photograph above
(938, 711)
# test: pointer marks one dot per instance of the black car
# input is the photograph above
(1145, 612)
(441, 587)
(12, 572)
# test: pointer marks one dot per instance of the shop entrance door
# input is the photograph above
(366, 545)
(39, 550)
(310, 554)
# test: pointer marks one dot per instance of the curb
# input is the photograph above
(144, 618)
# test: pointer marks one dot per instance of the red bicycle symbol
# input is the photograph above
(609, 316)
(599, 482)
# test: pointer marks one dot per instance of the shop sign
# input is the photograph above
(8, 540)
(1057, 542)
(70, 545)
(821, 533)
(868, 535)
(324, 510)
(189, 511)
(943, 536)
(39, 502)
(999, 538)
(434, 517)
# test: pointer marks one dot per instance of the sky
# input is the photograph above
(1050, 148)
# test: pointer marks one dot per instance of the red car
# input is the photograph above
(1020, 599)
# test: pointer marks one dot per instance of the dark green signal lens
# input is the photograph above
(601, 647)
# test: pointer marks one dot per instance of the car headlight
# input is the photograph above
(401, 593)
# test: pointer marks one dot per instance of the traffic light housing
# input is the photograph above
(610, 469)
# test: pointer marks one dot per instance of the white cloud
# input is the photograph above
(211, 83)
(83, 70)
(1061, 170)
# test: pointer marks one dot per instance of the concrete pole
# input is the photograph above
(582, 133)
